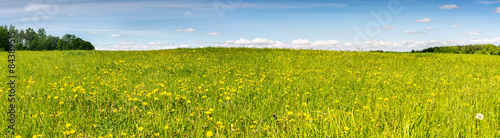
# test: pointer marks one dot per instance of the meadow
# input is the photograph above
(247, 92)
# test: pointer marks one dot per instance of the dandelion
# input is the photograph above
(68, 125)
(304, 104)
(188, 101)
(141, 128)
(480, 116)
(55, 97)
(209, 134)
(157, 134)
(18, 136)
(228, 98)
(166, 127)
(346, 128)
(72, 131)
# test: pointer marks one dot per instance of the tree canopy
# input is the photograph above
(487, 49)
(29, 39)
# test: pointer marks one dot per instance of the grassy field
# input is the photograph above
(236, 92)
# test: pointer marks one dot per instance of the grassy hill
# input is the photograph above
(236, 92)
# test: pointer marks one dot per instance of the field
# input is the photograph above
(236, 92)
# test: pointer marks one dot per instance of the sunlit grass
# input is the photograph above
(238, 92)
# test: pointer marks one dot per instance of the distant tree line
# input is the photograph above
(487, 49)
(30, 39)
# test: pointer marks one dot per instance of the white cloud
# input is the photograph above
(158, 43)
(325, 43)
(425, 20)
(35, 7)
(116, 35)
(413, 32)
(262, 41)
(472, 33)
(187, 30)
(430, 28)
(127, 42)
(36, 18)
(188, 13)
(457, 26)
(498, 9)
(447, 7)
(213, 33)
(489, 2)
(319, 44)
(300, 42)
(389, 28)
(95, 32)
(242, 42)
(183, 46)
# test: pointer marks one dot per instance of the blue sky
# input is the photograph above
(396, 25)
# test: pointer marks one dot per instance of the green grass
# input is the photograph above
(236, 92)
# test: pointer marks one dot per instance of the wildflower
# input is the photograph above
(141, 128)
(124, 134)
(209, 134)
(157, 134)
(145, 103)
(55, 97)
(188, 101)
(228, 98)
(68, 125)
(18, 136)
(72, 131)
(480, 116)
(346, 128)
(166, 127)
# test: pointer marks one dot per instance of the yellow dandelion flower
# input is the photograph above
(55, 97)
(209, 134)
(124, 134)
(141, 128)
(18, 136)
(68, 125)
(228, 98)
(188, 101)
(145, 103)
(346, 128)
(157, 134)
(166, 127)
(72, 131)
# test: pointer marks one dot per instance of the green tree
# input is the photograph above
(4, 38)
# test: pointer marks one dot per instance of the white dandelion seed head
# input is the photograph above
(480, 116)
